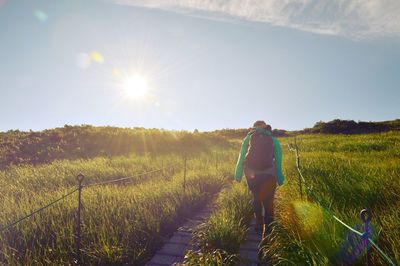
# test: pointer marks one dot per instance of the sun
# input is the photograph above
(135, 87)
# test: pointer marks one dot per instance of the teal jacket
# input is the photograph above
(277, 152)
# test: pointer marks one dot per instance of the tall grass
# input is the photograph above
(120, 223)
(347, 173)
(219, 238)
(126, 223)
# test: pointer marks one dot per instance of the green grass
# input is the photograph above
(120, 223)
(347, 173)
(127, 223)
(211, 258)
(219, 238)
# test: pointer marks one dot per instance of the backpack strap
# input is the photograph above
(242, 155)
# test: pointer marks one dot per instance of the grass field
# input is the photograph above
(120, 223)
(347, 173)
(126, 223)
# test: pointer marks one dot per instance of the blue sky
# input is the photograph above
(208, 64)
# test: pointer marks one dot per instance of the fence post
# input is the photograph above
(184, 172)
(366, 217)
(79, 178)
(298, 166)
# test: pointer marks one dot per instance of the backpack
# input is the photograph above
(260, 154)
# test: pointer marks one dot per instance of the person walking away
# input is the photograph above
(260, 160)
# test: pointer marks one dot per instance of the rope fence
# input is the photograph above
(4, 228)
(79, 189)
(365, 214)
(129, 177)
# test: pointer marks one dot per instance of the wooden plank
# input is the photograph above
(251, 255)
(155, 264)
(253, 237)
(173, 249)
(165, 259)
(180, 238)
(248, 250)
(253, 245)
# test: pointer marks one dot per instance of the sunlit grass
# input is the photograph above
(127, 223)
(219, 238)
(347, 173)
(120, 223)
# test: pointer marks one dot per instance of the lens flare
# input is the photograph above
(306, 217)
(97, 57)
(84, 60)
(40, 15)
(117, 72)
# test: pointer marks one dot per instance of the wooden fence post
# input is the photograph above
(298, 167)
(79, 178)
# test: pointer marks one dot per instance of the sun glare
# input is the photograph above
(135, 87)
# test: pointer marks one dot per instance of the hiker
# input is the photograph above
(260, 159)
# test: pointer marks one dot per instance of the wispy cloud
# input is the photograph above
(353, 18)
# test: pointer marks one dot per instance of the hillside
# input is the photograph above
(76, 142)
(338, 126)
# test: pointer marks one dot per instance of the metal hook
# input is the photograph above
(80, 178)
(366, 215)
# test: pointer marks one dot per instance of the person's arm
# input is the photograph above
(242, 155)
(278, 161)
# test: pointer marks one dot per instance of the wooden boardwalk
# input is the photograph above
(174, 250)
(248, 250)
